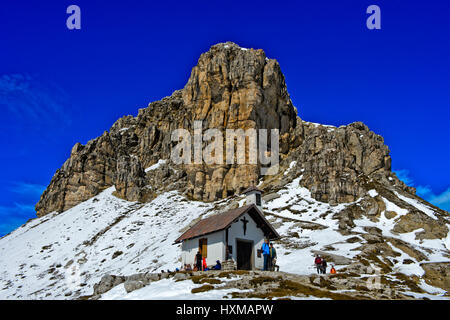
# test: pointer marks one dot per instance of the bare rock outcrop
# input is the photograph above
(130, 179)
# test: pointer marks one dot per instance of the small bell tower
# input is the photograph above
(254, 195)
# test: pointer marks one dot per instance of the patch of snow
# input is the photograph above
(390, 206)
(320, 125)
(156, 165)
(419, 206)
(373, 193)
(291, 165)
(167, 289)
(433, 293)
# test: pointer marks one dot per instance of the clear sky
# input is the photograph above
(60, 86)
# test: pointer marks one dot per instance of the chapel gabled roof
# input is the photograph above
(224, 220)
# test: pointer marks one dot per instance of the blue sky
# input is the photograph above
(60, 86)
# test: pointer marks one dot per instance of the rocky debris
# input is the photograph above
(131, 285)
(107, 283)
(180, 276)
(274, 285)
(270, 196)
(414, 220)
(372, 238)
(438, 275)
(116, 254)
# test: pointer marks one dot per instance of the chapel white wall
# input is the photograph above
(216, 248)
(253, 233)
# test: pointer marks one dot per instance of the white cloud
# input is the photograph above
(404, 176)
(30, 98)
(441, 200)
(28, 188)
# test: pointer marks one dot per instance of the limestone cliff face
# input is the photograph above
(233, 88)
(230, 88)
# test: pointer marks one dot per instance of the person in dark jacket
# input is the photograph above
(324, 266)
(272, 257)
(198, 261)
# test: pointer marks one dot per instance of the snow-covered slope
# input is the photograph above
(61, 256)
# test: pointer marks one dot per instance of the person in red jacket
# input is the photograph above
(318, 263)
(205, 266)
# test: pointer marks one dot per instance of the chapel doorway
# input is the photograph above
(244, 254)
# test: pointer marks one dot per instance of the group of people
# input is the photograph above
(270, 256)
(321, 265)
(270, 261)
(200, 264)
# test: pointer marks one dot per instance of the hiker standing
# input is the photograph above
(205, 266)
(273, 258)
(318, 263)
(198, 261)
(324, 266)
(266, 253)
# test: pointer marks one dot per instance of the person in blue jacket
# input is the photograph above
(266, 253)
(218, 265)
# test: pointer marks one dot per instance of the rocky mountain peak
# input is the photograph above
(230, 88)
(234, 86)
